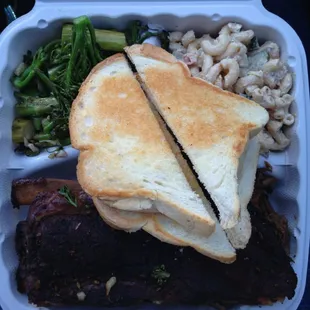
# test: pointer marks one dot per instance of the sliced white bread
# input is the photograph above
(130, 221)
(125, 160)
(215, 246)
(161, 227)
(240, 234)
(212, 125)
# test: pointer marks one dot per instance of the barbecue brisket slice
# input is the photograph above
(67, 254)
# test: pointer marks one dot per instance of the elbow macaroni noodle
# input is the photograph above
(227, 63)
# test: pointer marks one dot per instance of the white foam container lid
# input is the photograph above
(44, 23)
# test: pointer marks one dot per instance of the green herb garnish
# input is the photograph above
(254, 45)
(65, 191)
(160, 274)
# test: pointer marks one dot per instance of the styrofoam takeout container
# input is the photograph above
(44, 23)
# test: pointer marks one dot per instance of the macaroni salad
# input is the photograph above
(235, 62)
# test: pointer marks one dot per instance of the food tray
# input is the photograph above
(45, 20)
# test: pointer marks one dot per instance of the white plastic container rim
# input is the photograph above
(291, 166)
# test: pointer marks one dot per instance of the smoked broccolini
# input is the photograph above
(48, 82)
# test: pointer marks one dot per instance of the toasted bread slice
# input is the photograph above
(161, 227)
(212, 125)
(125, 160)
(240, 234)
(215, 246)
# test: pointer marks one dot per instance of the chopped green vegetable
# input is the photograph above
(257, 61)
(160, 274)
(48, 124)
(37, 122)
(65, 191)
(36, 106)
(22, 128)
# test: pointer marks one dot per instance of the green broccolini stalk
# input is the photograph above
(35, 107)
(108, 40)
(84, 50)
(28, 74)
(22, 128)
(56, 72)
(62, 96)
(49, 81)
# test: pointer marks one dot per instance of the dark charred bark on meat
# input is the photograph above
(65, 250)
